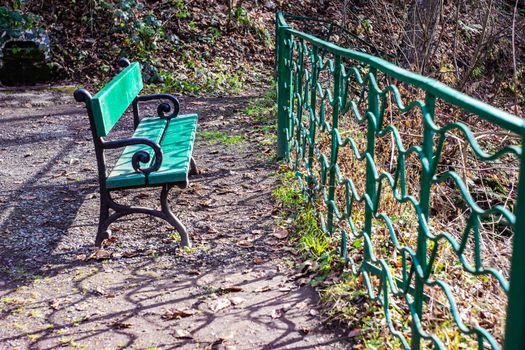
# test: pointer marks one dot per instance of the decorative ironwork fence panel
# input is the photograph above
(379, 171)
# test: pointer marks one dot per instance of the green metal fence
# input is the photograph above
(339, 107)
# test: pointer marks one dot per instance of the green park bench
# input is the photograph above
(159, 154)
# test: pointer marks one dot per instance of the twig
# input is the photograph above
(481, 43)
(514, 57)
(440, 37)
(455, 43)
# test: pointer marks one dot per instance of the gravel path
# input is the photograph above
(236, 289)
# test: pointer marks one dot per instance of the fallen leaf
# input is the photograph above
(219, 304)
(174, 313)
(230, 289)
(81, 307)
(54, 304)
(109, 241)
(272, 243)
(301, 305)
(129, 254)
(280, 233)
(121, 325)
(245, 243)
(150, 252)
(99, 254)
(81, 257)
(237, 300)
(99, 291)
(182, 334)
(206, 203)
(302, 282)
(354, 333)
(304, 330)
(258, 260)
(102, 292)
(263, 289)
(309, 266)
(278, 313)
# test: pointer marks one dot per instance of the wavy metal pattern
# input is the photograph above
(320, 86)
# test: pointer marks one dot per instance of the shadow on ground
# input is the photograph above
(235, 290)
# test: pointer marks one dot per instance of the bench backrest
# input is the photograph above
(110, 103)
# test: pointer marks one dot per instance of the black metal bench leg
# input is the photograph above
(193, 167)
(103, 232)
(172, 219)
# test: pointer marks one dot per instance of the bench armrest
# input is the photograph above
(162, 108)
(140, 156)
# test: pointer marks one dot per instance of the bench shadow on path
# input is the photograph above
(145, 304)
(39, 213)
(47, 209)
(44, 207)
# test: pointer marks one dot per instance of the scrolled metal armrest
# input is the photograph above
(162, 107)
(140, 156)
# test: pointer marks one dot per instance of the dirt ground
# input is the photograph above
(238, 288)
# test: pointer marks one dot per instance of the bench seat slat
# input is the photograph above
(177, 145)
(123, 174)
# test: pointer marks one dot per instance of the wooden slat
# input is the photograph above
(109, 104)
(177, 145)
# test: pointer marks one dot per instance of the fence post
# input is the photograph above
(283, 87)
(424, 204)
(373, 107)
(335, 144)
(515, 324)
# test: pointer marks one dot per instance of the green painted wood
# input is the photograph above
(177, 145)
(111, 102)
(123, 174)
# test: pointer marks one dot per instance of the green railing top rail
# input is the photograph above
(490, 113)
(301, 59)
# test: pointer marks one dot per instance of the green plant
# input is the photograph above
(215, 137)
(263, 109)
(198, 78)
(142, 33)
(13, 22)
(478, 72)
(241, 16)
(312, 240)
(181, 8)
(215, 34)
(367, 25)
(174, 236)
(286, 193)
